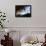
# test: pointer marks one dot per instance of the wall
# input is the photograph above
(38, 18)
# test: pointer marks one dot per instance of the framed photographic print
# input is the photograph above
(23, 10)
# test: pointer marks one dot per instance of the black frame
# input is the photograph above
(21, 7)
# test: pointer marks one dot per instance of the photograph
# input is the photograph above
(23, 10)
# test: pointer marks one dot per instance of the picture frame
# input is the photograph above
(23, 11)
